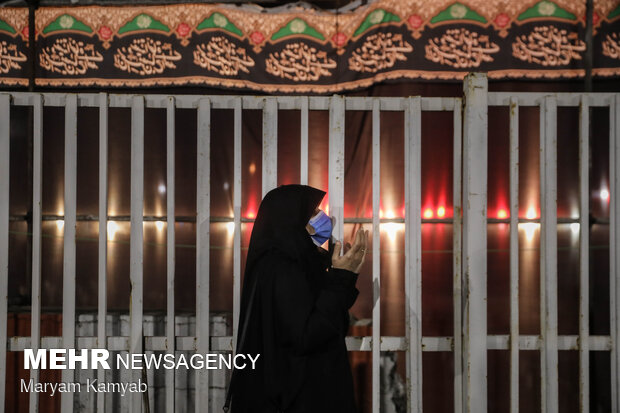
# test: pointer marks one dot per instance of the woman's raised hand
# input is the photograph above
(353, 259)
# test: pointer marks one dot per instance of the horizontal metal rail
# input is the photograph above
(354, 343)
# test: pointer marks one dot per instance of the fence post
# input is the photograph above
(474, 253)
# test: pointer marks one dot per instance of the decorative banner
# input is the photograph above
(305, 50)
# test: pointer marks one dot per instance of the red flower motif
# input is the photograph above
(415, 21)
(502, 20)
(26, 32)
(339, 39)
(183, 29)
(105, 32)
(595, 18)
(257, 37)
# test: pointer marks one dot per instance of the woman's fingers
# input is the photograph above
(337, 247)
(357, 243)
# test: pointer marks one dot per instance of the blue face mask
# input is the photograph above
(322, 225)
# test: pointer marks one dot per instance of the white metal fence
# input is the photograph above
(470, 341)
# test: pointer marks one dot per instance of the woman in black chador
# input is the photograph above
(298, 311)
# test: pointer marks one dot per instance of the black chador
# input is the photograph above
(299, 316)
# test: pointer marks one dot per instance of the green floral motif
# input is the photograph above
(67, 22)
(546, 8)
(614, 13)
(4, 26)
(297, 26)
(143, 22)
(375, 17)
(458, 11)
(219, 21)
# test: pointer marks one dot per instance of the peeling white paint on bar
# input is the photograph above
(69, 276)
(584, 255)
(102, 262)
(237, 220)
(376, 262)
(475, 124)
(35, 310)
(457, 157)
(303, 173)
(170, 247)
(202, 249)
(270, 144)
(136, 246)
(413, 253)
(548, 255)
(456, 256)
(336, 166)
(514, 255)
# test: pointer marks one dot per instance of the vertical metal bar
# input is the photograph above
(35, 312)
(584, 257)
(103, 239)
(336, 165)
(136, 239)
(237, 220)
(548, 256)
(376, 256)
(170, 246)
(5, 151)
(514, 255)
(456, 255)
(202, 250)
(543, 371)
(413, 249)
(69, 279)
(475, 243)
(270, 144)
(614, 243)
(303, 176)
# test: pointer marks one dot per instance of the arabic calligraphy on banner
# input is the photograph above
(223, 57)
(379, 51)
(299, 62)
(611, 46)
(461, 48)
(548, 46)
(10, 58)
(146, 56)
(70, 57)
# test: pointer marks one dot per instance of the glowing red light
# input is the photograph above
(428, 213)
(251, 214)
(501, 214)
(441, 212)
